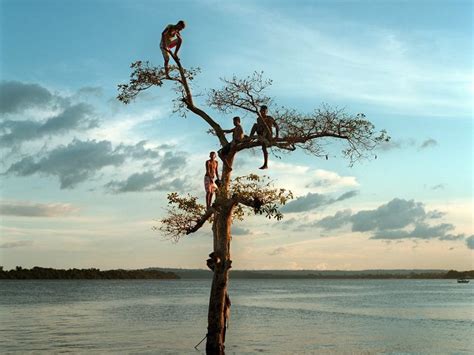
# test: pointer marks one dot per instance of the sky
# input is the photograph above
(84, 178)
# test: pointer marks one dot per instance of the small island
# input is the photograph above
(41, 273)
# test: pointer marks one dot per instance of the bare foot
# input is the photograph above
(263, 167)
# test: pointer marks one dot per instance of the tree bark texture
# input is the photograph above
(220, 263)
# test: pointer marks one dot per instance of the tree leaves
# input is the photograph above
(250, 194)
(144, 76)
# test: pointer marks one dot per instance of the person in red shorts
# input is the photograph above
(170, 38)
(212, 173)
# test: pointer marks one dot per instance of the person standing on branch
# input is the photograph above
(212, 172)
(171, 37)
(264, 130)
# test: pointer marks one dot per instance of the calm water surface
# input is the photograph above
(273, 316)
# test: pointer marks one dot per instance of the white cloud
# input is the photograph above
(119, 127)
(325, 180)
(300, 179)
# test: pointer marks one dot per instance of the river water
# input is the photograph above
(272, 316)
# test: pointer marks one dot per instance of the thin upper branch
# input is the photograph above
(145, 76)
(188, 100)
(243, 94)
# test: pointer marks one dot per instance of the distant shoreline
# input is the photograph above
(40, 273)
(328, 275)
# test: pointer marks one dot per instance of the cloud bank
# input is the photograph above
(80, 160)
(29, 209)
(397, 219)
(16, 125)
(314, 200)
(18, 244)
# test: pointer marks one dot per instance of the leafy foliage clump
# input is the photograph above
(183, 214)
(250, 194)
(257, 195)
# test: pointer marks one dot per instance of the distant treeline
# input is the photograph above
(311, 274)
(73, 274)
(155, 273)
(452, 274)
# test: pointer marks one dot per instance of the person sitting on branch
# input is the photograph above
(212, 172)
(237, 136)
(171, 37)
(264, 130)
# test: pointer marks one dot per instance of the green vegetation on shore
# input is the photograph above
(73, 274)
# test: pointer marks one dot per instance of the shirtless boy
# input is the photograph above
(237, 136)
(264, 130)
(171, 37)
(212, 173)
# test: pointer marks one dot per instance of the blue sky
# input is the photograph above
(68, 201)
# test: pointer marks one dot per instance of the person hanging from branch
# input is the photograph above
(264, 130)
(212, 172)
(237, 136)
(170, 38)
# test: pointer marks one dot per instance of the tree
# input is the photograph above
(251, 194)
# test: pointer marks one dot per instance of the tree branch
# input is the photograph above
(244, 94)
(199, 223)
(145, 76)
(185, 216)
(188, 100)
(297, 130)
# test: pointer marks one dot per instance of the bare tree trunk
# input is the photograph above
(220, 263)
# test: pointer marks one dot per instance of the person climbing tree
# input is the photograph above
(237, 136)
(212, 173)
(171, 37)
(264, 130)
